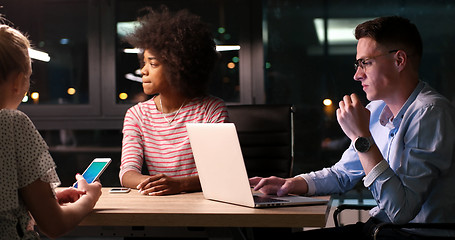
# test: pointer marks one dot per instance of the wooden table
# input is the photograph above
(192, 210)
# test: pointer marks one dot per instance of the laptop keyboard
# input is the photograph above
(266, 199)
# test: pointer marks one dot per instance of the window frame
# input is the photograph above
(102, 111)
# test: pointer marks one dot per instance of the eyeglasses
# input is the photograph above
(364, 62)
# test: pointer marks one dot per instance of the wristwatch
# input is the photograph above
(363, 144)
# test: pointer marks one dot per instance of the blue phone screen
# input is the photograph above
(92, 171)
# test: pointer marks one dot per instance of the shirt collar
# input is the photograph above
(386, 118)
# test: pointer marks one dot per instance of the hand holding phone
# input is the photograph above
(95, 169)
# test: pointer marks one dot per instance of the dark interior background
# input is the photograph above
(294, 67)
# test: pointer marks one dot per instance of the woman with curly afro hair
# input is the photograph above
(178, 58)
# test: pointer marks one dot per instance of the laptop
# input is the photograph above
(222, 171)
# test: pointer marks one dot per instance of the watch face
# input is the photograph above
(362, 144)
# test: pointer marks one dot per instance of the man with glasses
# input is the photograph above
(402, 141)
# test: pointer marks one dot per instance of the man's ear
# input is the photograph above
(401, 60)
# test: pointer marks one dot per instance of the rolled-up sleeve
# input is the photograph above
(339, 178)
(375, 172)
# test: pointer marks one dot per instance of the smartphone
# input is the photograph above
(120, 190)
(95, 169)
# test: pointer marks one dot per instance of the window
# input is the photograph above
(87, 82)
(62, 75)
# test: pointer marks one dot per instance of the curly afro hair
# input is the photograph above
(182, 43)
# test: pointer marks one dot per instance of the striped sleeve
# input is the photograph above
(216, 111)
(132, 147)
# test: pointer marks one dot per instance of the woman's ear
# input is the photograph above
(13, 89)
(18, 82)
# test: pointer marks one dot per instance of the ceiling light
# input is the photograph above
(38, 55)
(221, 48)
(340, 31)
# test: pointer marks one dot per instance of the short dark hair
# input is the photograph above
(182, 43)
(393, 32)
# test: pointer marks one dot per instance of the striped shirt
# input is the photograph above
(164, 147)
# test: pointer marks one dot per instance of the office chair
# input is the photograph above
(266, 135)
(382, 226)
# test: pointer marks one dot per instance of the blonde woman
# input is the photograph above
(27, 171)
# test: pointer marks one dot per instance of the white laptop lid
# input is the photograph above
(219, 162)
(221, 167)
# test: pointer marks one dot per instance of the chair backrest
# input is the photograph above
(266, 135)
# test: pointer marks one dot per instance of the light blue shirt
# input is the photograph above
(416, 180)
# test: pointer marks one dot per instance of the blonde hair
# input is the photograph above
(14, 57)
